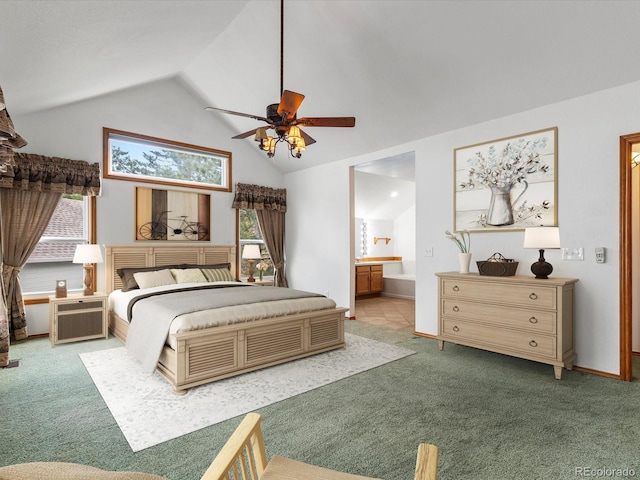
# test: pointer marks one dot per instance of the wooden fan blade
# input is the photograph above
(231, 112)
(289, 103)
(246, 134)
(327, 121)
(307, 139)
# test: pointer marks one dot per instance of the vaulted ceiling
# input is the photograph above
(405, 69)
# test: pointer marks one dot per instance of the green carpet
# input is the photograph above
(492, 417)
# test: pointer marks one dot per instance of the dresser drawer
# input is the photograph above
(475, 334)
(80, 305)
(541, 321)
(512, 294)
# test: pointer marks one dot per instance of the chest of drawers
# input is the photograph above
(519, 316)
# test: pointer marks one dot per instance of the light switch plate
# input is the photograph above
(575, 253)
(600, 254)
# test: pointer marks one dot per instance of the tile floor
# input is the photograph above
(389, 312)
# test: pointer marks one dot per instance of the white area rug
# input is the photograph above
(148, 412)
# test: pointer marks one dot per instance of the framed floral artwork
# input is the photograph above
(507, 184)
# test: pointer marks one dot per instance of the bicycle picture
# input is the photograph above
(165, 227)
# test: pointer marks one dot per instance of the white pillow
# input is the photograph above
(188, 275)
(156, 278)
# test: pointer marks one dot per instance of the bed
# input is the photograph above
(206, 354)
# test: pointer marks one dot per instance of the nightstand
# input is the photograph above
(77, 317)
(265, 282)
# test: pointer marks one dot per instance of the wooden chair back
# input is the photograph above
(243, 457)
(427, 462)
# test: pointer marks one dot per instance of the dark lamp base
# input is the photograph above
(541, 269)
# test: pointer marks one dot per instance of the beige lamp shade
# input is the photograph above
(542, 237)
(88, 254)
(251, 252)
(261, 134)
(294, 135)
(270, 145)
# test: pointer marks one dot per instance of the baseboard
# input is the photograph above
(38, 335)
(575, 367)
(425, 335)
(394, 295)
(596, 372)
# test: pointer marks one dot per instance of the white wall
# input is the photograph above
(318, 241)
(162, 109)
(589, 128)
(404, 241)
(401, 231)
(380, 229)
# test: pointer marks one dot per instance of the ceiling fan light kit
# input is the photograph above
(282, 117)
(296, 143)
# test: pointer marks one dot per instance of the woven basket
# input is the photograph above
(497, 266)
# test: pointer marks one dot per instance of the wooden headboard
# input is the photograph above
(127, 256)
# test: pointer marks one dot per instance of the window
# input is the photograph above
(250, 234)
(139, 158)
(52, 258)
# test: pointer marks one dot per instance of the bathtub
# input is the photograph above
(399, 280)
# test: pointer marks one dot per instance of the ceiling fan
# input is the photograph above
(282, 117)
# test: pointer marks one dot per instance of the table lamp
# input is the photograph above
(88, 254)
(542, 238)
(251, 253)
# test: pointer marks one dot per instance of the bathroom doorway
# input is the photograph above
(383, 226)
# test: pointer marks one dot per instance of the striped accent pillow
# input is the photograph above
(189, 275)
(217, 274)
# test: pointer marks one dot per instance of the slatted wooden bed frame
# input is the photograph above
(211, 354)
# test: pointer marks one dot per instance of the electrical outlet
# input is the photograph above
(428, 251)
(600, 254)
(572, 254)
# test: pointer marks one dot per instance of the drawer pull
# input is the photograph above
(455, 308)
(455, 328)
(533, 296)
(533, 320)
(533, 343)
(456, 288)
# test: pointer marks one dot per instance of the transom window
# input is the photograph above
(140, 158)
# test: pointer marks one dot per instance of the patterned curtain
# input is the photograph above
(51, 174)
(21, 229)
(270, 205)
(260, 198)
(9, 140)
(29, 193)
